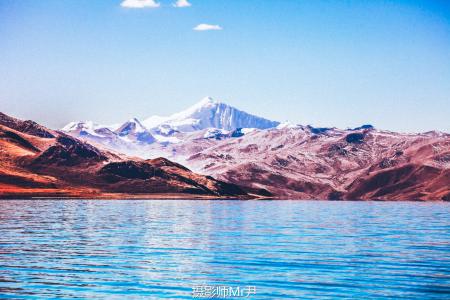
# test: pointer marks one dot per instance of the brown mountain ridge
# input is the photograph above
(302, 162)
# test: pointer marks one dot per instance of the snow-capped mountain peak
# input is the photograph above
(134, 130)
(209, 113)
(88, 128)
(82, 125)
(131, 126)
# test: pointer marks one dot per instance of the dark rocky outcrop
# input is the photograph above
(318, 130)
(130, 170)
(364, 127)
(355, 138)
(236, 133)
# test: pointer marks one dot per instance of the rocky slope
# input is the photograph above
(38, 162)
(320, 163)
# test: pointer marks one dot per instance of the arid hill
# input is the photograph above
(302, 162)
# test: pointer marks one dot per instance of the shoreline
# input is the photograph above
(189, 197)
(121, 196)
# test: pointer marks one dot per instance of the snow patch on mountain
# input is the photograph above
(287, 124)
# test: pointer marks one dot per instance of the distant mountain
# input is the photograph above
(134, 137)
(135, 131)
(98, 134)
(209, 113)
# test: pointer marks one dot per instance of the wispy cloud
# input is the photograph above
(205, 27)
(182, 3)
(140, 4)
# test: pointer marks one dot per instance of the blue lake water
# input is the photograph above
(163, 248)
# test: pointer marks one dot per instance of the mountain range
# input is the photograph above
(40, 162)
(231, 154)
(288, 160)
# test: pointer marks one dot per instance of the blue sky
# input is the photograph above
(326, 63)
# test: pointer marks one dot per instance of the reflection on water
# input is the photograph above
(157, 249)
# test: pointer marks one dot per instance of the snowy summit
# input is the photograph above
(209, 113)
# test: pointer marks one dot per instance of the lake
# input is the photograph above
(174, 248)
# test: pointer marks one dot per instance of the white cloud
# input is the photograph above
(204, 27)
(182, 3)
(140, 3)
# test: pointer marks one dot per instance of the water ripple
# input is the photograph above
(161, 249)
